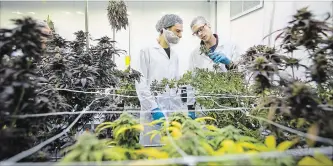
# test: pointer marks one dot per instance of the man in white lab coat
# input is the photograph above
(220, 52)
(155, 63)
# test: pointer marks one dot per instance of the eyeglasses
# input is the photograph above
(199, 30)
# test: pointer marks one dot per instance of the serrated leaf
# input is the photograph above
(229, 145)
(271, 112)
(207, 147)
(323, 159)
(155, 122)
(120, 130)
(98, 155)
(109, 143)
(176, 124)
(313, 130)
(84, 156)
(211, 127)
(270, 142)
(98, 130)
(300, 122)
(176, 133)
(83, 82)
(71, 156)
(138, 127)
(285, 145)
(308, 161)
(248, 145)
(204, 118)
(153, 135)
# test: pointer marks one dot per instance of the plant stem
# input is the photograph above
(18, 106)
(292, 67)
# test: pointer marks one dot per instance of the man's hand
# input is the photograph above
(219, 58)
(192, 115)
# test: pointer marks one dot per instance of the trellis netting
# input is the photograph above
(185, 159)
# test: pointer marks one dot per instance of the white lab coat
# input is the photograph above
(204, 62)
(154, 64)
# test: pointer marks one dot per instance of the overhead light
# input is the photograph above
(31, 12)
(17, 12)
(78, 12)
(66, 12)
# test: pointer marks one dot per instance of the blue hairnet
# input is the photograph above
(168, 20)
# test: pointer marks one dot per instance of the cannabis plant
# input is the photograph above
(221, 90)
(89, 148)
(299, 100)
(126, 131)
(20, 49)
(117, 14)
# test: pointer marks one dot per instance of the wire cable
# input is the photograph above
(28, 152)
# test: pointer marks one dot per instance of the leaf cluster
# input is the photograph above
(298, 99)
(117, 14)
(20, 49)
(194, 137)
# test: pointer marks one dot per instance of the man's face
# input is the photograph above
(177, 29)
(202, 31)
(48, 32)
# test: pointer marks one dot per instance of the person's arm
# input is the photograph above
(146, 98)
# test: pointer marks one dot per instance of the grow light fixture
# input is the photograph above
(66, 12)
(17, 12)
(78, 12)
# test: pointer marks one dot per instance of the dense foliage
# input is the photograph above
(193, 137)
(310, 101)
(20, 49)
(117, 14)
(52, 80)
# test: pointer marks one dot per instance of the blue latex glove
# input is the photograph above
(192, 115)
(219, 58)
(157, 114)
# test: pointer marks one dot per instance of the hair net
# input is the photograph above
(168, 20)
(199, 20)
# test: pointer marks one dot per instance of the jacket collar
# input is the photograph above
(161, 50)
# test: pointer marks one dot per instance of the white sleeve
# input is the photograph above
(189, 89)
(146, 98)
(177, 69)
(191, 63)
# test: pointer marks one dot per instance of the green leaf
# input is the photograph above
(121, 130)
(98, 130)
(285, 145)
(270, 142)
(204, 118)
(71, 156)
(323, 159)
(313, 130)
(308, 161)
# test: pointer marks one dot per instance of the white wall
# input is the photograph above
(143, 18)
(68, 16)
(250, 29)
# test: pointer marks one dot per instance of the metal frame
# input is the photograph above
(261, 4)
